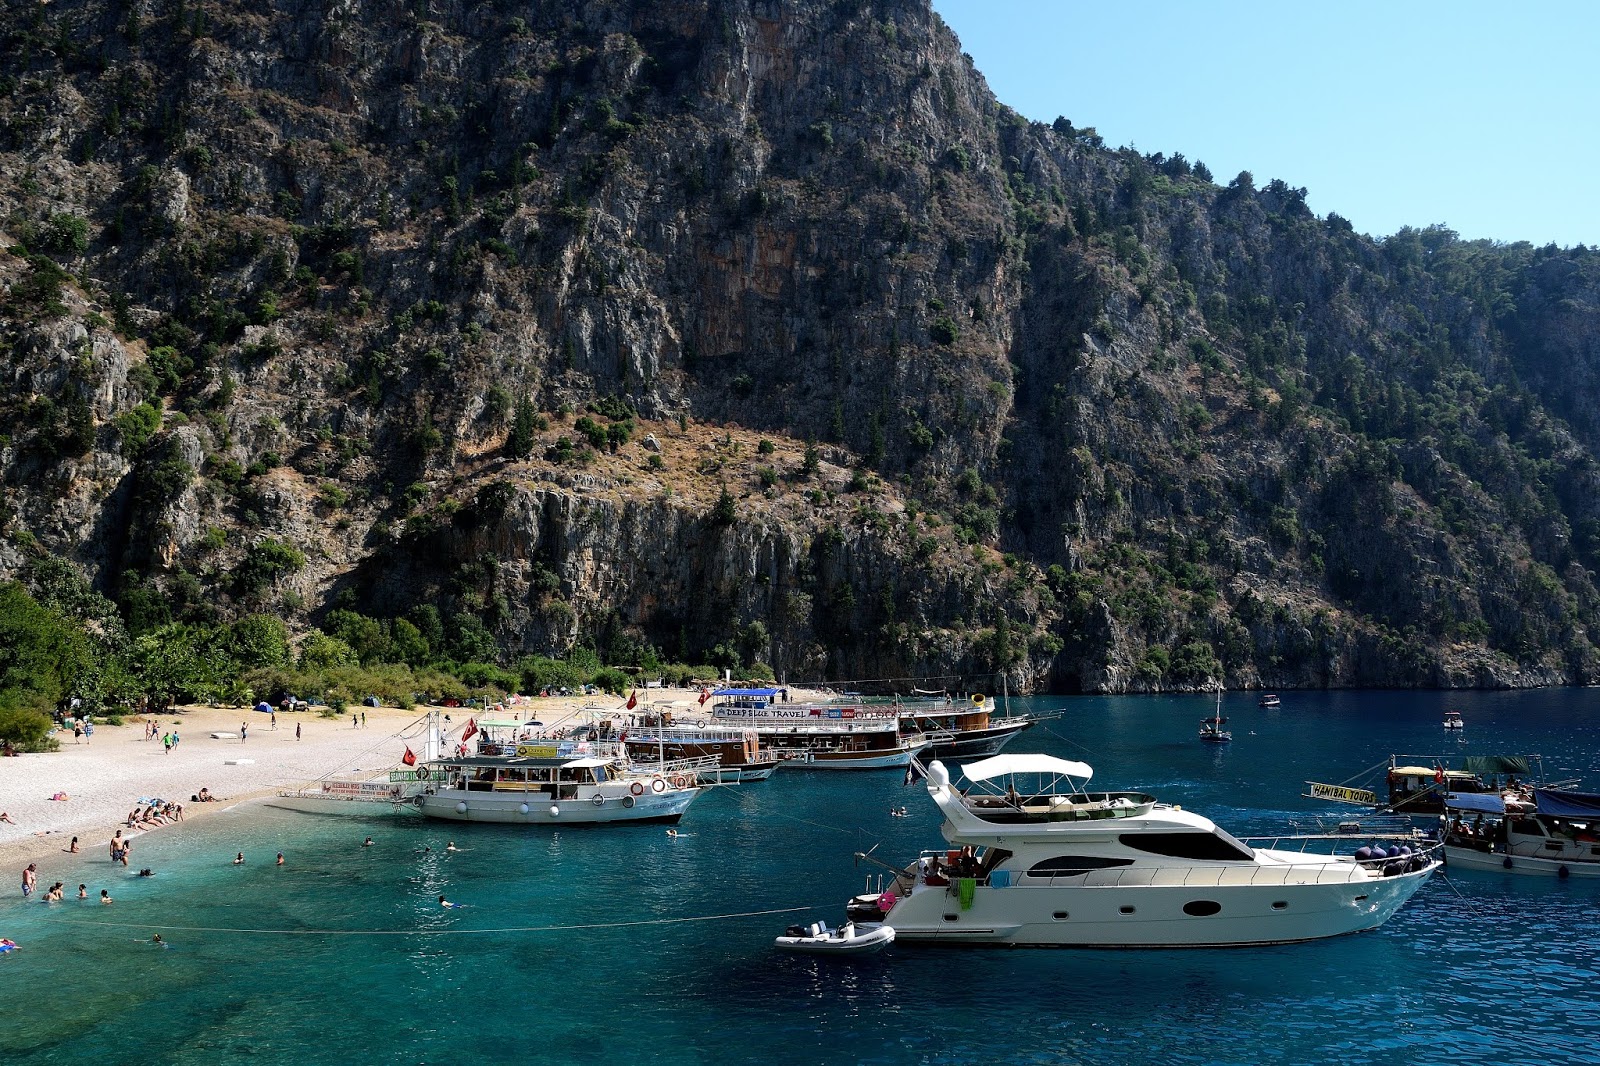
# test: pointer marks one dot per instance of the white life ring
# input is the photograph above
(599, 800)
(677, 780)
(700, 723)
(636, 788)
(658, 785)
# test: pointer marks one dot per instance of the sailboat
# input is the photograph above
(1211, 731)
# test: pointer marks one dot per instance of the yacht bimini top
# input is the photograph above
(1026, 763)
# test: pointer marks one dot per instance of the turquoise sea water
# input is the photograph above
(1483, 967)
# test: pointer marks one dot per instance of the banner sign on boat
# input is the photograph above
(537, 751)
(1343, 794)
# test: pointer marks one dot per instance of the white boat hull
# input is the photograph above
(864, 760)
(1473, 859)
(1097, 916)
(517, 808)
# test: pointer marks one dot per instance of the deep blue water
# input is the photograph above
(1486, 967)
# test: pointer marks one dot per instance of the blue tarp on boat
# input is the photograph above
(767, 692)
(1558, 804)
(1481, 802)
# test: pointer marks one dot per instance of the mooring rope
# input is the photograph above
(164, 928)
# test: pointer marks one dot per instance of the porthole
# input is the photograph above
(1127, 910)
(1280, 905)
(1059, 916)
(952, 917)
(1201, 908)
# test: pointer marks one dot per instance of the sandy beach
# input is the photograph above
(118, 769)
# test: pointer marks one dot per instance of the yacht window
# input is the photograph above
(1067, 865)
(1201, 908)
(1215, 846)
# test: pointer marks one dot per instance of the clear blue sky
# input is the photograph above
(1482, 116)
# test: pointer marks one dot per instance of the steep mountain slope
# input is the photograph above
(761, 331)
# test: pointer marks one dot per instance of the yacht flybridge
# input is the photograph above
(1037, 861)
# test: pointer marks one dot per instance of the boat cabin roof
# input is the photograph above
(485, 761)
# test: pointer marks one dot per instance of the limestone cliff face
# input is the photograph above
(488, 306)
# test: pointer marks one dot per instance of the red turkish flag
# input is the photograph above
(409, 758)
(705, 694)
(633, 700)
(472, 727)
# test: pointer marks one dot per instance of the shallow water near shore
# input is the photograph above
(344, 953)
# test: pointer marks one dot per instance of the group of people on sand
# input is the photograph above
(159, 812)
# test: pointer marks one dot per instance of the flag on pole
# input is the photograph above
(472, 727)
(705, 694)
(633, 699)
(409, 758)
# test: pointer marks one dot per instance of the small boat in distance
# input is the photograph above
(1211, 731)
(1452, 720)
(848, 939)
(1268, 699)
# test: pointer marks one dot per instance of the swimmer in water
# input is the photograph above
(451, 846)
(672, 833)
(156, 940)
(280, 858)
(238, 860)
(447, 905)
(367, 843)
(83, 891)
(105, 897)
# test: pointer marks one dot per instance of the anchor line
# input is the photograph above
(162, 927)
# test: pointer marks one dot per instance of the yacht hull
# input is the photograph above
(1100, 916)
(533, 809)
(976, 743)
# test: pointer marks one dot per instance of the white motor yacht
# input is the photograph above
(1036, 861)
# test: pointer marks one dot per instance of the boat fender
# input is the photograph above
(599, 800)
(523, 809)
(1562, 871)
(461, 808)
(658, 785)
(555, 812)
(1506, 864)
(627, 801)
(636, 788)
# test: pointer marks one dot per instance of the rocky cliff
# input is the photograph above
(761, 329)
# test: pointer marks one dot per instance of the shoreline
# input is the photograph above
(106, 777)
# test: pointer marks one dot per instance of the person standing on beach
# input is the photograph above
(274, 719)
(363, 719)
(243, 731)
(77, 731)
(355, 723)
(88, 730)
(72, 848)
(297, 730)
(30, 879)
(174, 737)
(166, 743)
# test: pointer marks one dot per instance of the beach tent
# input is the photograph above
(264, 707)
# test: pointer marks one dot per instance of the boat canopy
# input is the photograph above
(1025, 763)
(1481, 802)
(502, 723)
(1558, 804)
(1429, 771)
(767, 692)
(1497, 764)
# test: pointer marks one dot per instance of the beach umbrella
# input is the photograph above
(264, 707)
